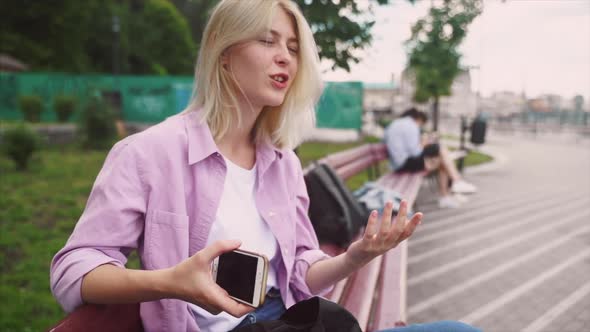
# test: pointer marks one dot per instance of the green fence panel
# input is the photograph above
(150, 99)
(341, 106)
(47, 86)
(8, 97)
(155, 98)
(135, 98)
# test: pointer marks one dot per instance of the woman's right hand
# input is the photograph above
(192, 281)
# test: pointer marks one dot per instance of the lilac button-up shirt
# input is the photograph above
(158, 192)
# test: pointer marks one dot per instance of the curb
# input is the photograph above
(499, 161)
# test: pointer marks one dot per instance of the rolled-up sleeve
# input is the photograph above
(109, 227)
(307, 247)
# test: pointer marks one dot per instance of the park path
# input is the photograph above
(516, 257)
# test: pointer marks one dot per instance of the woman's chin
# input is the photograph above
(275, 102)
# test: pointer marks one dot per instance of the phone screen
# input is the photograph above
(236, 273)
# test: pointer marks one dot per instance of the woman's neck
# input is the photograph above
(238, 142)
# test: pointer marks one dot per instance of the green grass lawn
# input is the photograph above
(475, 158)
(38, 210)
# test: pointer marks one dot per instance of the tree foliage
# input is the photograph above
(340, 27)
(77, 36)
(196, 13)
(433, 56)
(162, 41)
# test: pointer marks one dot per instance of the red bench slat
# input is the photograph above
(345, 157)
(376, 294)
(102, 317)
(358, 300)
(390, 307)
(355, 167)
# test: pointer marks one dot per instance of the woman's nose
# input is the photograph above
(283, 56)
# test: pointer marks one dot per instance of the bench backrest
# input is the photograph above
(353, 161)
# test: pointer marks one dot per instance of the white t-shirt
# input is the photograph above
(238, 218)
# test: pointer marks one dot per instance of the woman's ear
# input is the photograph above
(225, 59)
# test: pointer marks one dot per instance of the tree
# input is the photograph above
(338, 28)
(160, 40)
(77, 36)
(433, 56)
(47, 35)
(196, 14)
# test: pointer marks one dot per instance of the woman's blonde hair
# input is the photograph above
(235, 21)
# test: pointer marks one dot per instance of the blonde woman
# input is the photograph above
(217, 177)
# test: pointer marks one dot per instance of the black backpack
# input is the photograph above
(335, 213)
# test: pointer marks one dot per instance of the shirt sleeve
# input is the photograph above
(307, 250)
(108, 229)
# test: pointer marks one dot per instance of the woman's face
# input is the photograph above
(265, 67)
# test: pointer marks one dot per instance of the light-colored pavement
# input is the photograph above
(516, 257)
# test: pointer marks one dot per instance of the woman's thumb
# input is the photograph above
(219, 247)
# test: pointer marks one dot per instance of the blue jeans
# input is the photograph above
(440, 326)
(273, 308)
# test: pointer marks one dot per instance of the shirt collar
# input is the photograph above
(201, 143)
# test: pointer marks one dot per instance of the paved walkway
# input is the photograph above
(517, 256)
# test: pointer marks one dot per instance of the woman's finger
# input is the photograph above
(386, 218)
(220, 299)
(209, 253)
(411, 226)
(371, 229)
(400, 220)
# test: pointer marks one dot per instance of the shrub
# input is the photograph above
(19, 143)
(64, 107)
(31, 106)
(383, 123)
(98, 127)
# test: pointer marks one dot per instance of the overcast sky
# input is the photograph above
(541, 46)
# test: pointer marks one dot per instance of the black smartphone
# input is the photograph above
(243, 275)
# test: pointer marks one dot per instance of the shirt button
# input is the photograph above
(286, 251)
(271, 214)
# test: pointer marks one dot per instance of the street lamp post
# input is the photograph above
(116, 41)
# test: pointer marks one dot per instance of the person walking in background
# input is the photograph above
(410, 151)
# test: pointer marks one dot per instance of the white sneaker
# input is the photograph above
(448, 202)
(463, 187)
(461, 198)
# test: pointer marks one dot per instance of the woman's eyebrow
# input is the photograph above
(290, 39)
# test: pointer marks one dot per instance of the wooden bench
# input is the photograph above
(376, 294)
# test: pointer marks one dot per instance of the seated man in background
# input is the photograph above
(410, 152)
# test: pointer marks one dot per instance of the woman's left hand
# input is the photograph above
(381, 237)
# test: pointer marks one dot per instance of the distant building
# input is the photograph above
(462, 101)
(538, 105)
(377, 106)
(378, 97)
(502, 103)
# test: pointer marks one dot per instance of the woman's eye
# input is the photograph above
(266, 41)
(293, 50)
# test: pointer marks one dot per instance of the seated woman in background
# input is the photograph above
(409, 151)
